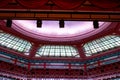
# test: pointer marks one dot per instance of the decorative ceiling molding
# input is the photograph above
(48, 15)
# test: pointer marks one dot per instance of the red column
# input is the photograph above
(69, 66)
(29, 65)
(44, 65)
(15, 61)
(85, 67)
(99, 63)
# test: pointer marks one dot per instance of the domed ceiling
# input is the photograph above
(50, 31)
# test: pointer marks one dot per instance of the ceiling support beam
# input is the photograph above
(48, 15)
(33, 50)
(81, 51)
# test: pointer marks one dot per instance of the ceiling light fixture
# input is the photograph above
(9, 23)
(39, 23)
(61, 23)
(95, 24)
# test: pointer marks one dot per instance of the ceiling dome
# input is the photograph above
(50, 31)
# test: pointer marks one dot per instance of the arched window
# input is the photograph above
(57, 51)
(15, 43)
(102, 44)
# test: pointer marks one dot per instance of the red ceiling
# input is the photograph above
(84, 5)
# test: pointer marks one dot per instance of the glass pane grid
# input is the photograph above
(14, 43)
(102, 44)
(57, 51)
